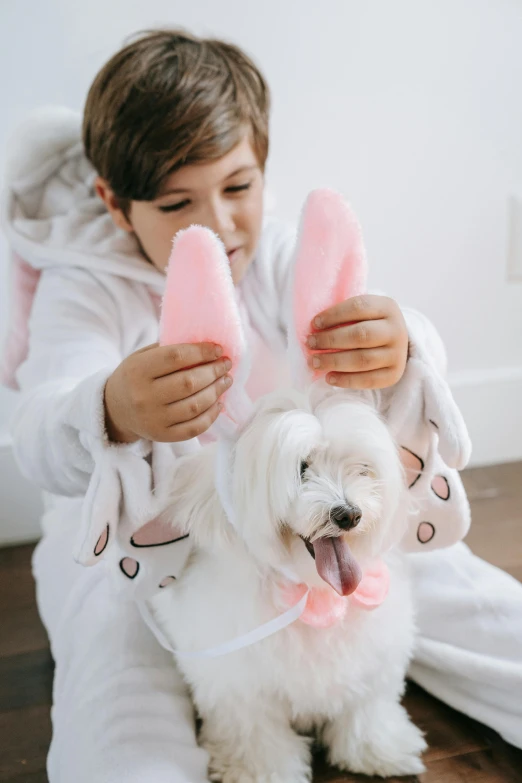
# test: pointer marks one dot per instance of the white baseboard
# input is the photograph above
(20, 502)
(491, 403)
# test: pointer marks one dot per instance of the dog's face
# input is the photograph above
(319, 492)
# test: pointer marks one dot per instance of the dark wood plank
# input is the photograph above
(495, 495)
(26, 670)
(493, 480)
(25, 735)
(30, 777)
(448, 733)
(26, 680)
(322, 773)
(505, 756)
(516, 572)
(22, 630)
(479, 767)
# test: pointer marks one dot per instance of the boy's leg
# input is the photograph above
(121, 711)
(470, 649)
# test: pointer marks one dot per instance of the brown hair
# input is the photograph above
(166, 100)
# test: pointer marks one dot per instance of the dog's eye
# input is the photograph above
(304, 467)
(364, 471)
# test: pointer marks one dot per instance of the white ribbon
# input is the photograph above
(246, 640)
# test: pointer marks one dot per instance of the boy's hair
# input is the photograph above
(166, 100)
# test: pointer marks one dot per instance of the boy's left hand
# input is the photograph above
(369, 338)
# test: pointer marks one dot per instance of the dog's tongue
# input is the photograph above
(336, 564)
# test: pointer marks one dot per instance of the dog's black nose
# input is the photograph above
(347, 516)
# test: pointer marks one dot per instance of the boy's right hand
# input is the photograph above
(166, 393)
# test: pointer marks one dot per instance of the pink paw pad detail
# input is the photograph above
(166, 581)
(157, 532)
(102, 542)
(130, 567)
(425, 532)
(413, 466)
(441, 487)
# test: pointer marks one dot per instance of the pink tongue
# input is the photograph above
(336, 564)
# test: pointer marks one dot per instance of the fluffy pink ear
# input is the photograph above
(24, 282)
(330, 263)
(199, 304)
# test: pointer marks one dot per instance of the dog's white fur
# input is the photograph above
(342, 683)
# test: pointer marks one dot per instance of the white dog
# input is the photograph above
(317, 490)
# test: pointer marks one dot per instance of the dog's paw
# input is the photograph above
(239, 774)
(251, 767)
(376, 741)
(264, 751)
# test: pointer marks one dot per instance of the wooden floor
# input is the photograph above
(460, 750)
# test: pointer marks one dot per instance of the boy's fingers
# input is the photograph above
(165, 359)
(194, 427)
(374, 379)
(357, 361)
(147, 348)
(190, 408)
(185, 383)
(367, 307)
(365, 334)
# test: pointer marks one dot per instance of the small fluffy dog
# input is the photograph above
(317, 490)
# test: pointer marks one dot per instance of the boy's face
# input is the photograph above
(225, 195)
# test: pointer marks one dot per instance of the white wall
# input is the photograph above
(411, 108)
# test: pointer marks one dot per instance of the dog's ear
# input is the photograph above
(329, 267)
(199, 305)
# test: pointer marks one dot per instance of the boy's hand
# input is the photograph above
(370, 340)
(167, 393)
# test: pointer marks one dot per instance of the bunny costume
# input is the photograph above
(85, 299)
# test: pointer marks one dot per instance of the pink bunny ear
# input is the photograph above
(24, 282)
(329, 266)
(200, 304)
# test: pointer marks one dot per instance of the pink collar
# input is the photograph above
(325, 607)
